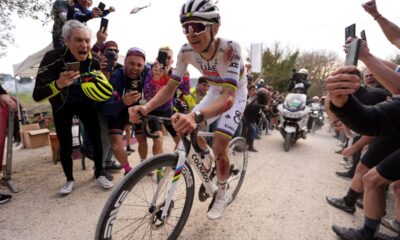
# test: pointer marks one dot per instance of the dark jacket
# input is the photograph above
(382, 119)
(52, 65)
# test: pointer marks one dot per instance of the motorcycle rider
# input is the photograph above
(314, 101)
(297, 78)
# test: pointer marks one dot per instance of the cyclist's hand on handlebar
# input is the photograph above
(183, 123)
(135, 112)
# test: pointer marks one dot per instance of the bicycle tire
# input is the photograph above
(238, 157)
(124, 197)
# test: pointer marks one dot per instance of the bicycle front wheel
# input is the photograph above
(134, 209)
(238, 165)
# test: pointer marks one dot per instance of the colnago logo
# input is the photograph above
(200, 166)
(113, 215)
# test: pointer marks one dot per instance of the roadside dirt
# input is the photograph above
(283, 196)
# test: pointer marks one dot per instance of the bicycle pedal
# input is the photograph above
(203, 195)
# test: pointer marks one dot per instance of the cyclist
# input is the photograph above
(220, 62)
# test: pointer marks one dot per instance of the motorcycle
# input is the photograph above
(317, 117)
(294, 117)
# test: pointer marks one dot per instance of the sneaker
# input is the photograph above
(349, 233)
(218, 207)
(391, 224)
(4, 198)
(104, 182)
(114, 167)
(340, 204)
(67, 188)
(252, 149)
(345, 175)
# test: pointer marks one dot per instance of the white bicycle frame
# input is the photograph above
(194, 160)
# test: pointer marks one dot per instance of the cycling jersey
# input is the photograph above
(224, 70)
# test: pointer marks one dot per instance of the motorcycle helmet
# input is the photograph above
(303, 71)
(207, 10)
(299, 88)
(96, 86)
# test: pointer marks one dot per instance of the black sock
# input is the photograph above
(370, 227)
(351, 197)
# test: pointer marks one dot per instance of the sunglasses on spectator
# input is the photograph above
(112, 50)
(197, 27)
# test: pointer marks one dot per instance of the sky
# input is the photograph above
(305, 25)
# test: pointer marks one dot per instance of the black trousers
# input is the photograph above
(63, 122)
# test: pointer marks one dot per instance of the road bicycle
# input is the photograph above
(149, 207)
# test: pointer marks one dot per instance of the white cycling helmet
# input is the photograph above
(204, 9)
(303, 71)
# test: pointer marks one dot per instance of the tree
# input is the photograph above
(278, 64)
(319, 64)
(35, 9)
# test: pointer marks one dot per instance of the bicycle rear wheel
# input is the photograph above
(129, 213)
(238, 165)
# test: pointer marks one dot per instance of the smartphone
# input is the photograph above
(104, 24)
(352, 54)
(73, 66)
(102, 6)
(363, 37)
(110, 60)
(350, 31)
(162, 58)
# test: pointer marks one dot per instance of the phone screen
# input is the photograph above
(73, 66)
(350, 31)
(102, 6)
(352, 54)
(162, 58)
(104, 24)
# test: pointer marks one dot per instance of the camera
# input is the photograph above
(296, 77)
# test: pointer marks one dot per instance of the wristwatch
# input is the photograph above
(198, 117)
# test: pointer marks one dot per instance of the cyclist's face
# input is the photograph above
(134, 66)
(79, 44)
(199, 42)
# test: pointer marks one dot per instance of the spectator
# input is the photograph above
(57, 84)
(380, 120)
(127, 83)
(250, 114)
(59, 14)
(80, 11)
(196, 93)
